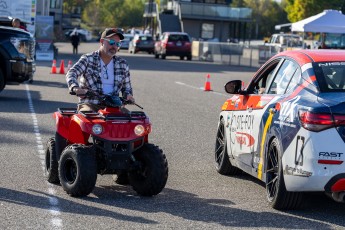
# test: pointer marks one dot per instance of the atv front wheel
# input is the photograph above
(151, 176)
(51, 162)
(78, 170)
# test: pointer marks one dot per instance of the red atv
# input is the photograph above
(113, 140)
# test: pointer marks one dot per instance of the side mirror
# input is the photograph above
(233, 87)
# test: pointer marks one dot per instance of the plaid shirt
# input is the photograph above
(88, 70)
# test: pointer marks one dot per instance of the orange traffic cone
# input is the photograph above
(207, 86)
(69, 65)
(62, 67)
(53, 67)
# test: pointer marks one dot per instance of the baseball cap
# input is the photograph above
(108, 32)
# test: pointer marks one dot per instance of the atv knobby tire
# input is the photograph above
(152, 175)
(78, 170)
(51, 162)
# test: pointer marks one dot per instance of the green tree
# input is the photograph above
(300, 9)
(99, 14)
(265, 15)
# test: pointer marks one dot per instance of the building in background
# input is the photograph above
(202, 19)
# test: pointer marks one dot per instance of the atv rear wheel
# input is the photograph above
(223, 164)
(51, 162)
(78, 170)
(152, 174)
(277, 195)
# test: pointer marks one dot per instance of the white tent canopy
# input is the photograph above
(329, 21)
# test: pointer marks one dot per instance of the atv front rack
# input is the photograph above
(132, 115)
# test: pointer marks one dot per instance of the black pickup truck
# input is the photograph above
(17, 51)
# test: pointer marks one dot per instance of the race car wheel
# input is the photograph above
(51, 162)
(277, 195)
(151, 175)
(78, 170)
(223, 164)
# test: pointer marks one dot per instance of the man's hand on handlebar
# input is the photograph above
(80, 92)
(130, 98)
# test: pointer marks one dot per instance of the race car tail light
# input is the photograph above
(316, 121)
(320, 121)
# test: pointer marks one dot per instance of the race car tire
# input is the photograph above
(223, 164)
(277, 195)
(51, 162)
(78, 170)
(150, 177)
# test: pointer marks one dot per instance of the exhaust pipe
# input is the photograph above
(338, 196)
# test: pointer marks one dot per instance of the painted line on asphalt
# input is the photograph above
(201, 88)
(56, 221)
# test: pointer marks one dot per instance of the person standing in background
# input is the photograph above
(75, 40)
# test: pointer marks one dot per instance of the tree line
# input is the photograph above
(265, 15)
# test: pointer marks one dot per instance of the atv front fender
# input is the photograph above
(69, 128)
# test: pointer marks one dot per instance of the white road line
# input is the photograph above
(56, 221)
(201, 88)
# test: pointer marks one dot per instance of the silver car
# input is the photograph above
(125, 42)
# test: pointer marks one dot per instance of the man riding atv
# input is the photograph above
(101, 137)
(102, 72)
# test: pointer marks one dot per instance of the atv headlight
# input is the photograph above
(139, 130)
(97, 129)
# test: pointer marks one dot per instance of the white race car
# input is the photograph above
(287, 127)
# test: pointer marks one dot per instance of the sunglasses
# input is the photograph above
(113, 42)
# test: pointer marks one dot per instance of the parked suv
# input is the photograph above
(141, 42)
(173, 44)
(17, 50)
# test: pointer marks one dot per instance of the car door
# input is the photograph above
(246, 116)
(279, 85)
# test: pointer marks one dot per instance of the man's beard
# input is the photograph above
(112, 52)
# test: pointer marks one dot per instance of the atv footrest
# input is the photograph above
(67, 111)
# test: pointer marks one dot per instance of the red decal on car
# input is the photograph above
(244, 139)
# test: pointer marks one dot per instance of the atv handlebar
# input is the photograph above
(108, 100)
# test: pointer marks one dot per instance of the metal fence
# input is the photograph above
(233, 54)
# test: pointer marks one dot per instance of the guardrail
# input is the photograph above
(234, 54)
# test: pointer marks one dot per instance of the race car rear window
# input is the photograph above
(331, 76)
